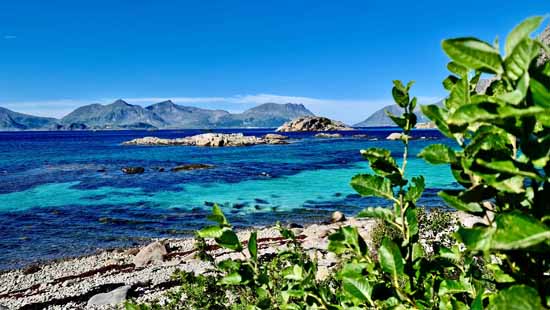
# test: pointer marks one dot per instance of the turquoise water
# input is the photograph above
(63, 194)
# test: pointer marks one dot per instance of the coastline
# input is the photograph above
(69, 283)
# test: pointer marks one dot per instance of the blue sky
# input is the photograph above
(337, 57)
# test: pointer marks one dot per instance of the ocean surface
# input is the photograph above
(63, 193)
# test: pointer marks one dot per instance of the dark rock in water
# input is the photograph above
(337, 194)
(257, 207)
(209, 203)
(133, 170)
(328, 135)
(101, 170)
(353, 196)
(294, 225)
(113, 297)
(30, 269)
(261, 201)
(234, 211)
(239, 205)
(191, 167)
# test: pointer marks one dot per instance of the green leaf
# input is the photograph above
(518, 62)
(438, 116)
(345, 239)
(455, 202)
(517, 297)
(372, 185)
(521, 32)
(415, 189)
(438, 154)
(229, 240)
(210, 232)
(383, 164)
(218, 216)
(377, 212)
(540, 93)
(358, 288)
(457, 69)
(253, 245)
(400, 94)
(412, 222)
(391, 260)
(234, 278)
(454, 286)
(489, 112)
(517, 95)
(400, 121)
(516, 230)
(512, 167)
(474, 54)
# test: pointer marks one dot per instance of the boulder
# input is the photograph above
(328, 135)
(191, 167)
(394, 136)
(313, 123)
(360, 136)
(152, 253)
(133, 170)
(113, 297)
(274, 136)
(337, 217)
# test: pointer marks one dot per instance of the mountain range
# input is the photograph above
(162, 115)
(381, 119)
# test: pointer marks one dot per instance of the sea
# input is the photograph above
(63, 194)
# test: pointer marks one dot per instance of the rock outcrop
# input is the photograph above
(394, 136)
(313, 123)
(208, 139)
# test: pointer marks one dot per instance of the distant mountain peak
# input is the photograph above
(120, 102)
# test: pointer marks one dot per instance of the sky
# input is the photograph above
(337, 57)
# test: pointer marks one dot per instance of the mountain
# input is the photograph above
(265, 115)
(13, 121)
(176, 116)
(381, 119)
(117, 115)
(166, 114)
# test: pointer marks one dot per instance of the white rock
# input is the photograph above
(152, 253)
(114, 297)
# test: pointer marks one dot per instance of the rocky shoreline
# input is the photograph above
(142, 274)
(105, 280)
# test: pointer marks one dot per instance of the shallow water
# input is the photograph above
(63, 194)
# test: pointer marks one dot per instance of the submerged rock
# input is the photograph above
(328, 135)
(113, 297)
(313, 123)
(152, 253)
(133, 170)
(207, 139)
(191, 167)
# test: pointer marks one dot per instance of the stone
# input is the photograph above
(360, 136)
(133, 170)
(328, 135)
(394, 136)
(152, 253)
(191, 167)
(30, 269)
(313, 123)
(337, 217)
(113, 297)
(274, 136)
